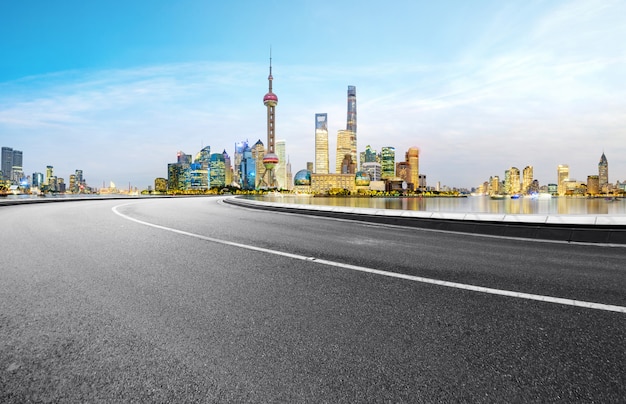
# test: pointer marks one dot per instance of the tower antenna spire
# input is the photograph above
(270, 78)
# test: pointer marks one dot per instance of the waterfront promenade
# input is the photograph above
(592, 228)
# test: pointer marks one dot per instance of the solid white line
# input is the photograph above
(501, 292)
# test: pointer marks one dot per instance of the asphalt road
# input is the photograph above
(163, 300)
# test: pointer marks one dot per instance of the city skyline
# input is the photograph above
(522, 84)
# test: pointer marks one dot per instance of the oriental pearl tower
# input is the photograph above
(270, 160)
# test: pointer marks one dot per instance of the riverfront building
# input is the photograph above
(412, 159)
(345, 140)
(562, 175)
(527, 179)
(258, 152)
(11, 168)
(603, 173)
(321, 144)
(388, 162)
(325, 183)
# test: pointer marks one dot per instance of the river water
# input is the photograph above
(470, 204)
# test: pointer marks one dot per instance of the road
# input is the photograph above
(193, 300)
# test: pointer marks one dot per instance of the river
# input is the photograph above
(470, 204)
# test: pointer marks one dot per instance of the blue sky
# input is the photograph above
(116, 88)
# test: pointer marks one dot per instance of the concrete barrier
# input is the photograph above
(596, 229)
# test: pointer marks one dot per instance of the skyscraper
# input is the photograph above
(7, 163)
(562, 173)
(270, 160)
(238, 173)
(217, 171)
(281, 167)
(345, 139)
(321, 144)
(527, 179)
(413, 158)
(515, 180)
(17, 171)
(388, 162)
(11, 164)
(37, 180)
(351, 122)
(258, 151)
(247, 169)
(369, 155)
(228, 169)
(603, 173)
(49, 175)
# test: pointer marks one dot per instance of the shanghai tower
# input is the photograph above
(351, 124)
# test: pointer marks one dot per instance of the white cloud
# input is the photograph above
(556, 95)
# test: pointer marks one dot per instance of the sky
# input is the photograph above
(117, 88)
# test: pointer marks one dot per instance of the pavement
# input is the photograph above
(195, 300)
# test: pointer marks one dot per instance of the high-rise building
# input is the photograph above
(412, 157)
(593, 184)
(217, 171)
(199, 170)
(603, 173)
(228, 169)
(270, 159)
(160, 185)
(495, 185)
(11, 165)
(238, 175)
(49, 175)
(369, 155)
(258, 152)
(198, 176)
(7, 163)
(388, 162)
(562, 174)
(183, 158)
(37, 180)
(17, 171)
(289, 184)
(247, 168)
(73, 186)
(345, 141)
(514, 174)
(281, 167)
(351, 123)
(321, 144)
(373, 168)
(175, 177)
(527, 179)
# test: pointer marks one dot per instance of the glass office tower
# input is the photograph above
(321, 144)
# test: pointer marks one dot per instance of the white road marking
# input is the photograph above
(456, 285)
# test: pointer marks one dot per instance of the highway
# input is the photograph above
(195, 300)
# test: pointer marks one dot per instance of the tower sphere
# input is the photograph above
(270, 160)
(270, 99)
